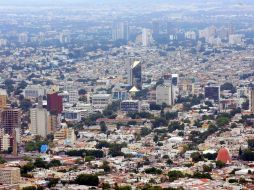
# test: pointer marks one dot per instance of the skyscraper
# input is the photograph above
(212, 93)
(120, 31)
(156, 29)
(164, 94)
(54, 103)
(3, 98)
(146, 37)
(10, 120)
(251, 100)
(39, 121)
(135, 74)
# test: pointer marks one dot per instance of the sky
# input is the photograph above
(79, 2)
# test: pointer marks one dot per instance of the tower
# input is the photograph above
(3, 98)
(251, 100)
(135, 74)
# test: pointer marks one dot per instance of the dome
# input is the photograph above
(223, 156)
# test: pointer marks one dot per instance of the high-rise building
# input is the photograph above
(164, 94)
(212, 93)
(120, 31)
(39, 121)
(146, 37)
(135, 74)
(54, 103)
(156, 29)
(251, 100)
(10, 120)
(23, 38)
(72, 90)
(175, 79)
(3, 98)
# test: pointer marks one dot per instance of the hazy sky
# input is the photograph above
(109, 2)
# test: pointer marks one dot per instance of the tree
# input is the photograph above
(29, 188)
(54, 163)
(199, 175)
(26, 168)
(25, 105)
(82, 92)
(40, 163)
(174, 175)
(220, 164)
(248, 155)
(123, 188)
(105, 166)
(2, 161)
(228, 86)
(144, 131)
(103, 127)
(153, 170)
(197, 157)
(207, 168)
(251, 143)
(87, 179)
(169, 162)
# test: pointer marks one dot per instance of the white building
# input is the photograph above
(235, 39)
(146, 37)
(164, 95)
(39, 121)
(34, 91)
(72, 90)
(101, 101)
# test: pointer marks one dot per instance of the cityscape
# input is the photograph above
(127, 95)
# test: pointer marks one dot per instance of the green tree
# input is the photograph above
(103, 127)
(2, 161)
(54, 163)
(220, 164)
(197, 157)
(145, 131)
(25, 105)
(174, 175)
(153, 170)
(40, 163)
(87, 179)
(169, 162)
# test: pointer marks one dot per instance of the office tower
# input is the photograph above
(10, 175)
(23, 38)
(135, 74)
(212, 93)
(39, 121)
(156, 29)
(54, 122)
(54, 103)
(72, 90)
(3, 98)
(146, 37)
(120, 31)
(10, 120)
(251, 100)
(164, 94)
(175, 79)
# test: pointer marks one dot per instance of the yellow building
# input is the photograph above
(10, 175)
(3, 99)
